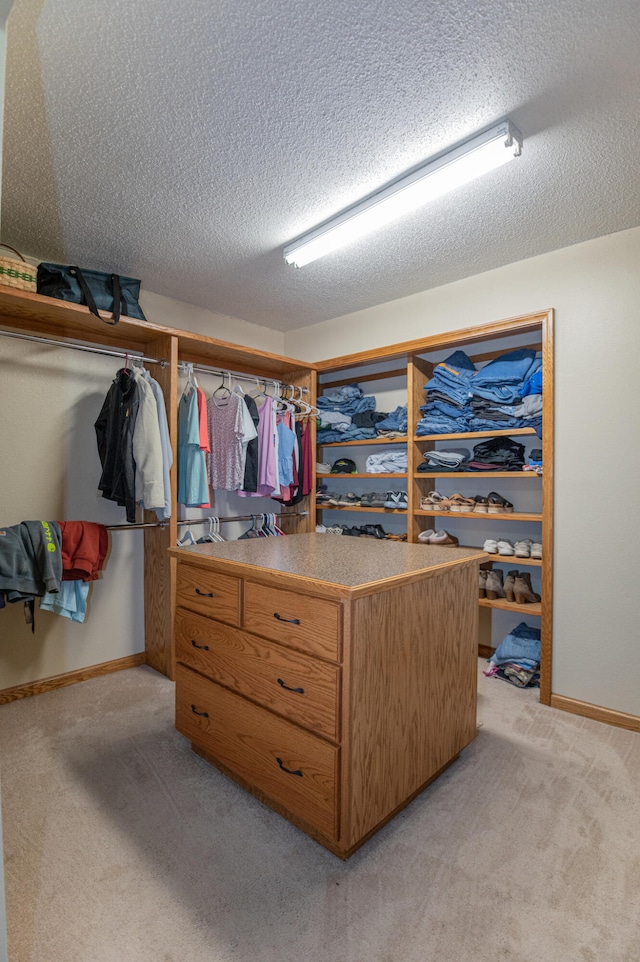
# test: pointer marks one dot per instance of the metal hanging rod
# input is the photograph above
(186, 521)
(185, 366)
(74, 346)
(243, 517)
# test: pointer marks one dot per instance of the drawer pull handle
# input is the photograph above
(289, 771)
(205, 714)
(299, 691)
(205, 594)
(290, 621)
(201, 647)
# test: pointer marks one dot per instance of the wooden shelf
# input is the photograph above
(514, 516)
(364, 475)
(534, 609)
(474, 434)
(349, 444)
(512, 560)
(467, 475)
(358, 507)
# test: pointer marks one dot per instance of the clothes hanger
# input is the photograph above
(208, 537)
(187, 538)
(216, 530)
(217, 397)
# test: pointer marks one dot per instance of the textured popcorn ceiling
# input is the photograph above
(186, 143)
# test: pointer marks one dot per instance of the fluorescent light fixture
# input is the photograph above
(452, 168)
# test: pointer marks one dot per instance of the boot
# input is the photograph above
(494, 587)
(522, 589)
(509, 585)
(483, 582)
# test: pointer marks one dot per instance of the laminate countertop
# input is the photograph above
(355, 565)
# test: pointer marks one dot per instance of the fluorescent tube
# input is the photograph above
(446, 171)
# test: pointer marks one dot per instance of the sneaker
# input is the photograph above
(333, 498)
(523, 548)
(333, 529)
(321, 529)
(377, 500)
(536, 550)
(506, 547)
(365, 500)
(490, 546)
(323, 468)
(350, 498)
(396, 500)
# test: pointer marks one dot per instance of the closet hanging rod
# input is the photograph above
(72, 345)
(222, 372)
(165, 524)
(243, 517)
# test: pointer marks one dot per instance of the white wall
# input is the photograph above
(595, 290)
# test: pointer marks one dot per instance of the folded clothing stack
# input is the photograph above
(451, 459)
(497, 454)
(387, 462)
(517, 657)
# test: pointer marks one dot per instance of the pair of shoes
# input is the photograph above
(323, 468)
(350, 498)
(353, 532)
(457, 502)
(434, 501)
(482, 504)
(373, 531)
(442, 538)
(497, 504)
(528, 548)
(333, 529)
(499, 546)
(396, 500)
(482, 582)
(517, 587)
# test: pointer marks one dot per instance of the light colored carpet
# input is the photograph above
(124, 846)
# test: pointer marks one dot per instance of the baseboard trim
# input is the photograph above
(607, 715)
(485, 651)
(70, 678)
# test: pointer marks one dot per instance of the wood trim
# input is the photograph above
(485, 651)
(606, 715)
(436, 342)
(70, 678)
(546, 590)
(378, 376)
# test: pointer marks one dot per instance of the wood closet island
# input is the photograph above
(331, 677)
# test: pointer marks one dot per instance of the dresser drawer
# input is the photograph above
(292, 767)
(215, 595)
(310, 624)
(292, 684)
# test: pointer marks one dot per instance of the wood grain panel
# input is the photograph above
(208, 593)
(309, 624)
(546, 625)
(249, 740)
(609, 716)
(413, 690)
(300, 688)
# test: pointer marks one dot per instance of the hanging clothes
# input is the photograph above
(192, 470)
(250, 481)
(114, 433)
(163, 512)
(147, 448)
(230, 429)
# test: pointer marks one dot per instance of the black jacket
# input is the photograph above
(114, 433)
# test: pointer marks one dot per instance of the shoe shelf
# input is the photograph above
(364, 475)
(474, 434)
(511, 559)
(533, 608)
(350, 444)
(466, 475)
(358, 507)
(480, 516)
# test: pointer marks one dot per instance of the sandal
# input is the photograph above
(498, 504)
(458, 502)
(482, 504)
(434, 501)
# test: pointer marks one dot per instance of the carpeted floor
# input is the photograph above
(121, 845)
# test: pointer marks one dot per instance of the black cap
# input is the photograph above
(344, 466)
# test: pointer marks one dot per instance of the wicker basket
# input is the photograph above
(19, 274)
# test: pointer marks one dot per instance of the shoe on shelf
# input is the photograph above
(321, 529)
(509, 585)
(323, 468)
(333, 529)
(442, 538)
(425, 535)
(434, 501)
(494, 587)
(377, 500)
(506, 547)
(457, 502)
(536, 550)
(482, 504)
(396, 500)
(523, 548)
(490, 546)
(498, 504)
(523, 591)
(333, 498)
(350, 498)
(482, 583)
(365, 499)
(373, 531)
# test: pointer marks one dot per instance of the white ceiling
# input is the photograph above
(186, 143)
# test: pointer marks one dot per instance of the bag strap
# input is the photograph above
(118, 299)
(10, 248)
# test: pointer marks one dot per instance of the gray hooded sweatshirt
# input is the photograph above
(30, 559)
